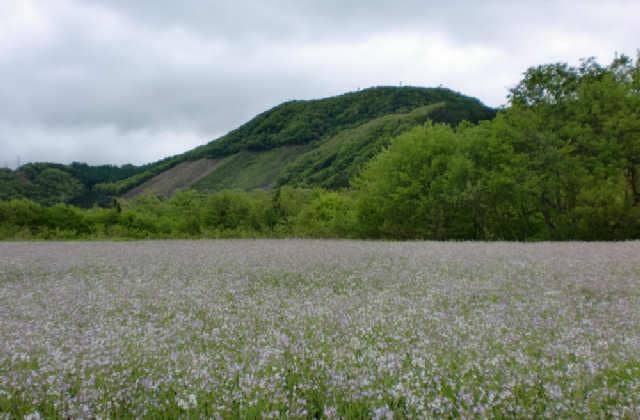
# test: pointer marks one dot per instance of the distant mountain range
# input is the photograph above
(315, 143)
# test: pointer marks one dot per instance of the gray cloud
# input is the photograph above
(132, 81)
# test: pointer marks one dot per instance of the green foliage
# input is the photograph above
(334, 160)
(21, 213)
(229, 210)
(10, 185)
(562, 162)
(303, 122)
(53, 186)
(51, 183)
(257, 153)
(44, 183)
(90, 175)
(287, 203)
(228, 213)
(329, 214)
(24, 219)
(338, 159)
(416, 188)
(586, 125)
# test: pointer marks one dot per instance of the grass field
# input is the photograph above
(297, 329)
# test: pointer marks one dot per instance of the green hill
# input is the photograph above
(338, 159)
(319, 142)
(304, 122)
(322, 142)
(52, 183)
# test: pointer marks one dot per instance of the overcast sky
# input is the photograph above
(116, 81)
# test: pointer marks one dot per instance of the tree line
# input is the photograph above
(560, 162)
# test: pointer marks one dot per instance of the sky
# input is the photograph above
(121, 81)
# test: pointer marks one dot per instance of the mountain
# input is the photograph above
(322, 142)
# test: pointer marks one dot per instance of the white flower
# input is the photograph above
(331, 412)
(383, 413)
(33, 416)
(188, 403)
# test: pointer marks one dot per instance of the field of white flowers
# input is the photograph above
(334, 329)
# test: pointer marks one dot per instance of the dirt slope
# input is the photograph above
(180, 177)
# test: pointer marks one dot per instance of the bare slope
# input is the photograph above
(249, 170)
(181, 176)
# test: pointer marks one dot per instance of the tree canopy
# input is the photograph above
(562, 162)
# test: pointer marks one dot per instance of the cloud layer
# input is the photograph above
(120, 81)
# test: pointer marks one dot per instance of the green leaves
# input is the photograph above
(563, 162)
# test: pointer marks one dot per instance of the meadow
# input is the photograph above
(319, 329)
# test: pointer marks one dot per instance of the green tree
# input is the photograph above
(416, 188)
(329, 214)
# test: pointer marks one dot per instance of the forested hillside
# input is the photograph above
(53, 183)
(336, 161)
(296, 127)
(336, 134)
(560, 162)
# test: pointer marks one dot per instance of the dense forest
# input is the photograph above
(561, 161)
(53, 183)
